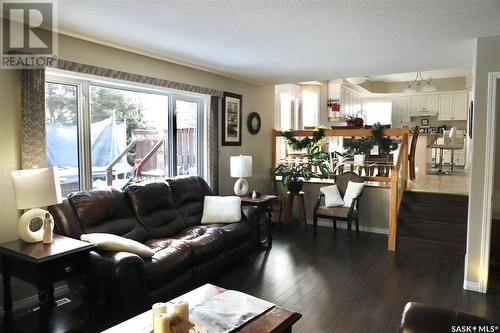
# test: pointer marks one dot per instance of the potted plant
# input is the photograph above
(293, 173)
(359, 147)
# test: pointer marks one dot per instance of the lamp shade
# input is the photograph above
(241, 166)
(36, 187)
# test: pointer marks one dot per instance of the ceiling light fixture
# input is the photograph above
(419, 83)
(356, 80)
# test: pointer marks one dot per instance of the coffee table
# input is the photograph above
(274, 320)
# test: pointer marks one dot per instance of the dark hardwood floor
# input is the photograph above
(356, 286)
(338, 286)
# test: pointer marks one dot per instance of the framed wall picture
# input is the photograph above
(231, 119)
(424, 122)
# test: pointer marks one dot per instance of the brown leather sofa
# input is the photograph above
(166, 217)
(424, 318)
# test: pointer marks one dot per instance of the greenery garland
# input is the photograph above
(307, 142)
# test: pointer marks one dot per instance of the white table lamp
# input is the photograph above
(35, 188)
(241, 166)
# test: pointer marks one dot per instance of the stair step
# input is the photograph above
(432, 230)
(433, 198)
(434, 211)
(428, 246)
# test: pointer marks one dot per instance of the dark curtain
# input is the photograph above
(33, 118)
(213, 144)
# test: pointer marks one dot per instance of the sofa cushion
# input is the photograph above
(221, 209)
(189, 194)
(234, 233)
(112, 242)
(106, 211)
(155, 209)
(171, 258)
(204, 243)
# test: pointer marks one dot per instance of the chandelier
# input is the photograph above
(419, 84)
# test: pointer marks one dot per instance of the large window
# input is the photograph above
(378, 110)
(102, 133)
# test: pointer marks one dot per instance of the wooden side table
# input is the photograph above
(42, 265)
(289, 206)
(265, 205)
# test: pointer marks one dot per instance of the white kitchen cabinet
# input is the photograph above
(400, 115)
(453, 106)
(460, 104)
(445, 107)
(424, 105)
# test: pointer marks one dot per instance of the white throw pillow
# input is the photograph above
(221, 209)
(332, 196)
(112, 242)
(352, 191)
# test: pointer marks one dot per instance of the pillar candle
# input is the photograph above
(182, 308)
(159, 308)
(161, 323)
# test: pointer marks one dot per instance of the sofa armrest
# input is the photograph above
(424, 318)
(122, 275)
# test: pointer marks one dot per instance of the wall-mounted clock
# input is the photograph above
(253, 123)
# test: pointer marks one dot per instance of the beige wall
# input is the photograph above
(373, 208)
(10, 115)
(496, 195)
(487, 60)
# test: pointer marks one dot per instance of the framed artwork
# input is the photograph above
(231, 119)
(424, 122)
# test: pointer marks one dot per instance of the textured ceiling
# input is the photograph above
(277, 42)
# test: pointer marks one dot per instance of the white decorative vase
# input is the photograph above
(359, 159)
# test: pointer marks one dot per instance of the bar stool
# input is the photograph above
(300, 198)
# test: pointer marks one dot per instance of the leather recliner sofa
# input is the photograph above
(165, 216)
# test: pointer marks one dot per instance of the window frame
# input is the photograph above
(83, 82)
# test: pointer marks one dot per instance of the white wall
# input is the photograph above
(487, 60)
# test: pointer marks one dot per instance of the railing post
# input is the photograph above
(393, 211)
(405, 159)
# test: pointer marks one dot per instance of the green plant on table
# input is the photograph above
(292, 171)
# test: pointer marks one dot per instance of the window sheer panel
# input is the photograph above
(378, 110)
(289, 103)
(310, 106)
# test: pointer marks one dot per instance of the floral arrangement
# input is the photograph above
(355, 121)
